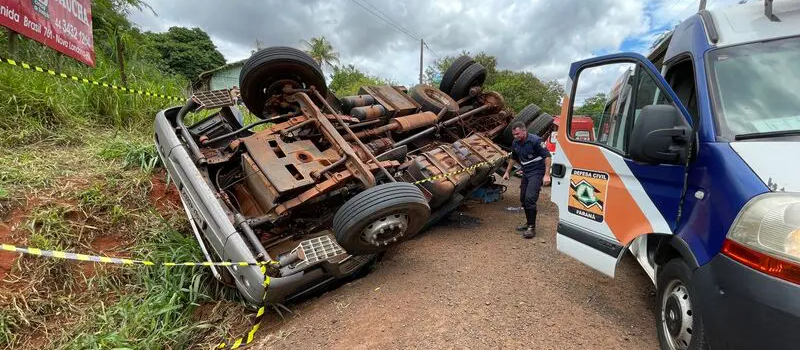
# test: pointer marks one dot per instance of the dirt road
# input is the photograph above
(474, 282)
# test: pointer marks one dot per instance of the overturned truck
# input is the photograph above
(327, 184)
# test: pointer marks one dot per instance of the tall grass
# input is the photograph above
(104, 174)
(36, 106)
(155, 311)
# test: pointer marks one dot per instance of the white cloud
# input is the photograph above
(540, 36)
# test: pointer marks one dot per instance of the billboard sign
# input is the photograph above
(64, 25)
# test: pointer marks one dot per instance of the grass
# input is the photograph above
(155, 312)
(142, 155)
(37, 106)
(78, 163)
(90, 189)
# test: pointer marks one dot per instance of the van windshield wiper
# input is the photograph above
(760, 135)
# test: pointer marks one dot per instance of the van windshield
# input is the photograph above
(757, 87)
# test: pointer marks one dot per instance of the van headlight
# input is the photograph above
(770, 224)
(766, 236)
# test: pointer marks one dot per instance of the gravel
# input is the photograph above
(474, 285)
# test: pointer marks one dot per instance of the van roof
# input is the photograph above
(748, 22)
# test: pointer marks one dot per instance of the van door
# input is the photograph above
(606, 199)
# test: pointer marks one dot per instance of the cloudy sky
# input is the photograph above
(541, 36)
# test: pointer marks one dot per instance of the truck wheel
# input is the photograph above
(525, 116)
(540, 124)
(433, 100)
(452, 73)
(474, 75)
(267, 71)
(679, 323)
(380, 217)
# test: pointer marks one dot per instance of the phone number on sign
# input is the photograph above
(73, 32)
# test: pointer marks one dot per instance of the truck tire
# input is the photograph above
(474, 75)
(678, 322)
(433, 100)
(540, 124)
(452, 73)
(526, 115)
(380, 217)
(261, 74)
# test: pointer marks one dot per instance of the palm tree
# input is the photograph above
(320, 50)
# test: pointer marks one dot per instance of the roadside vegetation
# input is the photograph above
(79, 173)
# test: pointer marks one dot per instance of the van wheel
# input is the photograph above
(679, 323)
(380, 217)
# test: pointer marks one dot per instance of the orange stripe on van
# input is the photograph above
(623, 215)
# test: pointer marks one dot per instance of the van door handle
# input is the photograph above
(557, 170)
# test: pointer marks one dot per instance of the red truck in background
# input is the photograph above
(582, 129)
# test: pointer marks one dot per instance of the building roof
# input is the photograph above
(227, 65)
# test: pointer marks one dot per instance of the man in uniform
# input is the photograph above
(527, 150)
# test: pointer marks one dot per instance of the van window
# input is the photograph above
(755, 85)
(608, 103)
(681, 78)
(628, 93)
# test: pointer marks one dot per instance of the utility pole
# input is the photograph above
(421, 43)
(702, 5)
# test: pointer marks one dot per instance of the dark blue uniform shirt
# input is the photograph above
(530, 154)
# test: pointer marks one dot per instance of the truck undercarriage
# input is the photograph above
(329, 183)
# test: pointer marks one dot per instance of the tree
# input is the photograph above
(518, 88)
(523, 88)
(593, 107)
(111, 28)
(321, 50)
(346, 81)
(185, 51)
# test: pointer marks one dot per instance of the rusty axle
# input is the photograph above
(353, 135)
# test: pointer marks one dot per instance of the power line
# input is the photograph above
(400, 29)
(389, 19)
(430, 49)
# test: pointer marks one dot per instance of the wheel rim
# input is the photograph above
(386, 230)
(440, 97)
(676, 316)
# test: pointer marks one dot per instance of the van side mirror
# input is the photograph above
(659, 136)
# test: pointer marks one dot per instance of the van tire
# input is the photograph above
(452, 73)
(526, 115)
(674, 281)
(540, 124)
(370, 206)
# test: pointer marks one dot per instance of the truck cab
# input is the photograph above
(695, 172)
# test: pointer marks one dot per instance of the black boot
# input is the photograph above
(524, 227)
(530, 231)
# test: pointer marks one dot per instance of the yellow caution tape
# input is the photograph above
(256, 323)
(87, 81)
(239, 342)
(105, 259)
(469, 168)
(121, 261)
